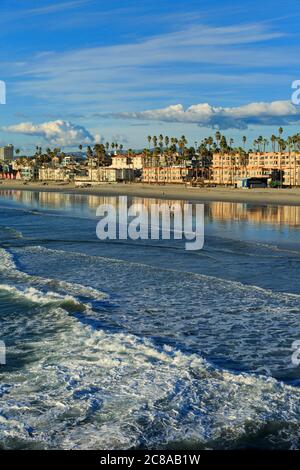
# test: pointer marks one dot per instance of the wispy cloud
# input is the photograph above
(58, 6)
(276, 112)
(48, 9)
(122, 72)
(198, 44)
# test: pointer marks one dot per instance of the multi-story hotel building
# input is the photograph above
(167, 174)
(227, 169)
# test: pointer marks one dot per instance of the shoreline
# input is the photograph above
(260, 196)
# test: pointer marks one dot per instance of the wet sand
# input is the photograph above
(288, 196)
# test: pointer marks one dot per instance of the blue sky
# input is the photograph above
(84, 71)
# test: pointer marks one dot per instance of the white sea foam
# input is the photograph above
(36, 296)
(6, 261)
(90, 389)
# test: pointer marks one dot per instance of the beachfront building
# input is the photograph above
(105, 174)
(167, 174)
(228, 169)
(133, 161)
(28, 173)
(111, 175)
(285, 165)
(6, 153)
(138, 161)
(289, 164)
(121, 162)
(51, 173)
(7, 172)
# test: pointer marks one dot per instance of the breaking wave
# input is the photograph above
(86, 389)
(9, 269)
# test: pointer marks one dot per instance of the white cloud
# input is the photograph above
(60, 133)
(203, 114)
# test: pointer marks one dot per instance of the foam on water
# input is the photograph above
(90, 389)
(234, 325)
(36, 296)
(7, 262)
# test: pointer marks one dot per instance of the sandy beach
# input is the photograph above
(288, 196)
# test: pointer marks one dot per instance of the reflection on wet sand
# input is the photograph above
(224, 211)
(276, 215)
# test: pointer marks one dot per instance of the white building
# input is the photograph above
(135, 162)
(7, 153)
(111, 175)
(105, 175)
(121, 162)
(48, 173)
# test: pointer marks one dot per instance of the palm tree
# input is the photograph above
(183, 144)
(218, 137)
(273, 141)
(161, 140)
(244, 139)
(210, 142)
(260, 143)
(89, 152)
(280, 143)
(99, 152)
(149, 140)
(183, 138)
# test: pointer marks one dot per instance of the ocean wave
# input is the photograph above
(39, 297)
(82, 388)
(9, 233)
(9, 269)
(87, 389)
(236, 326)
(226, 283)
